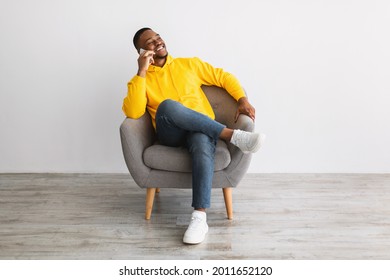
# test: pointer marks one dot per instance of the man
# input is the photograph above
(170, 89)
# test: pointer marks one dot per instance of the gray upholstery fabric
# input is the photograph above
(156, 157)
(157, 167)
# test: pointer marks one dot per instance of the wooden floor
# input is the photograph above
(277, 216)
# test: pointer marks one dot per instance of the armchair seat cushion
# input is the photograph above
(179, 160)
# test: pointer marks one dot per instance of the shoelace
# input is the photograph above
(240, 138)
(195, 222)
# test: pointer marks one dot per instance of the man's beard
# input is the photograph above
(160, 56)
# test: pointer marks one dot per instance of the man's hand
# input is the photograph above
(144, 60)
(244, 107)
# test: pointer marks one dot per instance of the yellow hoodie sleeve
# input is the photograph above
(218, 77)
(134, 104)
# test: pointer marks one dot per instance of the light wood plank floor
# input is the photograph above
(277, 216)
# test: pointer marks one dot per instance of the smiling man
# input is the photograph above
(170, 90)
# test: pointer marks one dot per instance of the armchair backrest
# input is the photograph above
(223, 104)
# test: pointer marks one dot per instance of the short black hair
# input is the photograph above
(138, 35)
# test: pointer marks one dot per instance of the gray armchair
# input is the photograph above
(155, 166)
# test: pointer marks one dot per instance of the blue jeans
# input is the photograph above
(176, 125)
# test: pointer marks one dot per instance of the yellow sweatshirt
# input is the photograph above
(180, 79)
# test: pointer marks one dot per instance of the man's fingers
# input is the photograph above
(147, 53)
(147, 56)
(249, 113)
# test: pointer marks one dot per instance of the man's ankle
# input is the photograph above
(226, 134)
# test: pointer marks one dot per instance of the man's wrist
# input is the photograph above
(243, 99)
(141, 73)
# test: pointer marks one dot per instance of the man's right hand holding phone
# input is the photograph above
(144, 60)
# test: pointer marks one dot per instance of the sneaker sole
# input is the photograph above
(194, 241)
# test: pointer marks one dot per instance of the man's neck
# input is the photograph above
(160, 62)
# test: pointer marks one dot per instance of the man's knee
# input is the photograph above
(199, 142)
(167, 105)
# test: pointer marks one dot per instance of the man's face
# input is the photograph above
(152, 41)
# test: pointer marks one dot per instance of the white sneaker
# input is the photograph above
(197, 229)
(248, 142)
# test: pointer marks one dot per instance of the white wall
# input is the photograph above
(318, 73)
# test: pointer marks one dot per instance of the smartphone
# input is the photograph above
(141, 50)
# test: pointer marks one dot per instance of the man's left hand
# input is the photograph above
(244, 107)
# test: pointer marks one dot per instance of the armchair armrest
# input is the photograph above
(240, 161)
(244, 123)
(136, 136)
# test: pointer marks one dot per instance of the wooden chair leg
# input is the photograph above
(227, 195)
(150, 192)
(157, 190)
